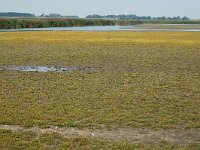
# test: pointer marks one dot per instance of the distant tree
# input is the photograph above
(15, 14)
(53, 15)
(42, 15)
(134, 17)
(185, 18)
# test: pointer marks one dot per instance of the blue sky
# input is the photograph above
(169, 8)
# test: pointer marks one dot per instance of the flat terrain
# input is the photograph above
(141, 83)
(168, 26)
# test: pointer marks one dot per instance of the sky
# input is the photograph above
(154, 8)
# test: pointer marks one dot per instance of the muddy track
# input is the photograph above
(148, 136)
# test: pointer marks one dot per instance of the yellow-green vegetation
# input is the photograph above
(139, 79)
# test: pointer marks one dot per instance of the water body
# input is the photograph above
(85, 28)
(192, 28)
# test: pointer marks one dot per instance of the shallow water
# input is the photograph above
(85, 28)
(40, 69)
(106, 28)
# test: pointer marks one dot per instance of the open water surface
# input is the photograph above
(108, 28)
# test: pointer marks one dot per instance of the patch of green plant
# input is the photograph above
(71, 123)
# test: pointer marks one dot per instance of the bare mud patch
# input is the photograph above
(46, 68)
(133, 135)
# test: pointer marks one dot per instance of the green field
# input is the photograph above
(135, 80)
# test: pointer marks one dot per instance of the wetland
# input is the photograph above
(143, 82)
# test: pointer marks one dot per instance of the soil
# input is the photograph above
(133, 135)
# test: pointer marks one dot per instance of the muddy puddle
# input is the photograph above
(45, 68)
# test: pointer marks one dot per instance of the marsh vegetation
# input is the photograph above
(17, 23)
(143, 80)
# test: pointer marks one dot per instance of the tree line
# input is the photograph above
(95, 16)
(54, 15)
(28, 15)
(135, 17)
(15, 14)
